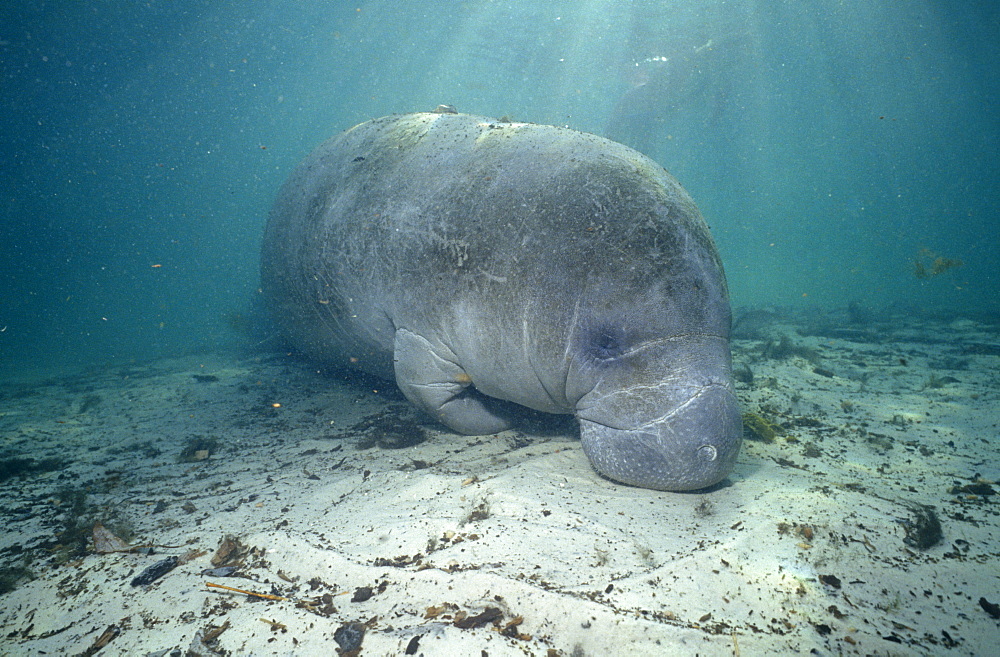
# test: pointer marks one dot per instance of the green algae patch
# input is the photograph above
(756, 427)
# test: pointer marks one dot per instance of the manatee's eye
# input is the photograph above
(607, 344)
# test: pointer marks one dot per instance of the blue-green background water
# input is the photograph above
(827, 143)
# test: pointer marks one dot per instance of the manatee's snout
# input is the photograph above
(692, 446)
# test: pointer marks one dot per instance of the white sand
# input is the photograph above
(519, 522)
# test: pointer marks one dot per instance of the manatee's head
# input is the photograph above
(663, 415)
(651, 379)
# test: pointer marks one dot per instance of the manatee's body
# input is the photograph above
(475, 261)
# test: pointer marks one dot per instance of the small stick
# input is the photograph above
(230, 588)
(133, 548)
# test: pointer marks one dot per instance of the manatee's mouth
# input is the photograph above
(691, 446)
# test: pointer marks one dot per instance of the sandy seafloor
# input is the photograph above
(802, 550)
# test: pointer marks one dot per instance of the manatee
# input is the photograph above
(486, 265)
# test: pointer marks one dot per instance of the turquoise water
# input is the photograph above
(829, 145)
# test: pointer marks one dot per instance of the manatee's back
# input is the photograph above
(332, 250)
(299, 285)
(412, 220)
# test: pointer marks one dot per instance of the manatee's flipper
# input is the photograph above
(430, 377)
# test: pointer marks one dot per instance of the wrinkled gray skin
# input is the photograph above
(476, 261)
